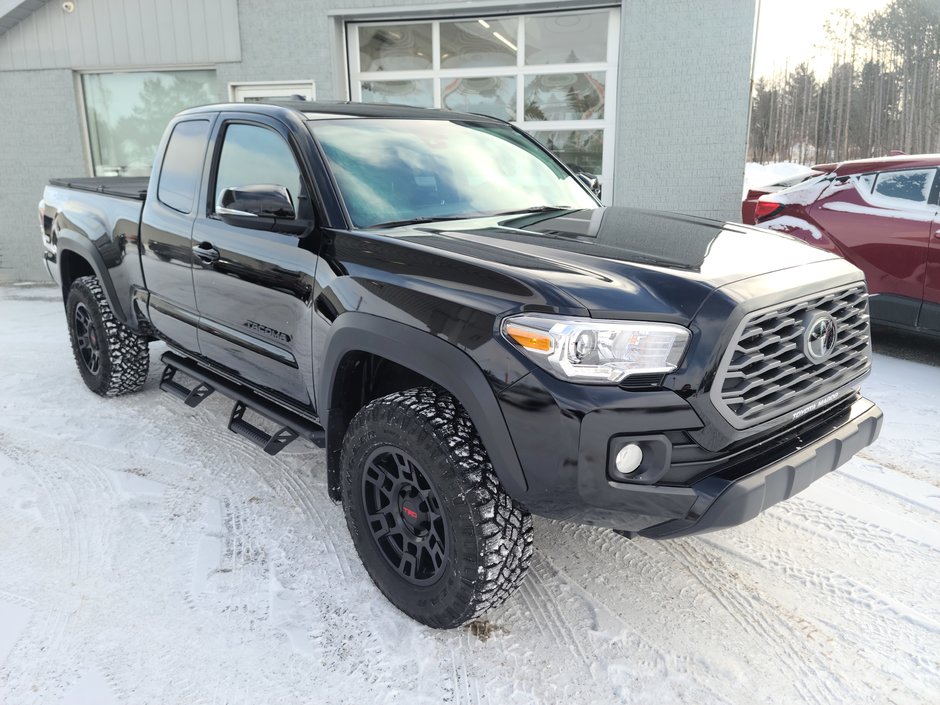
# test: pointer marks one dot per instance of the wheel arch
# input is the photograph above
(362, 345)
(78, 257)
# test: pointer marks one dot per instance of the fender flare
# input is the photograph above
(71, 241)
(434, 358)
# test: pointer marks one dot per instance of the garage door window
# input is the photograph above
(127, 112)
(547, 73)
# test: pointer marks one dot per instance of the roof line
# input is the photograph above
(12, 12)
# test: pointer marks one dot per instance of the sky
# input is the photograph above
(791, 31)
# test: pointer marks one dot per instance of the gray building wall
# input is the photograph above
(682, 93)
(684, 102)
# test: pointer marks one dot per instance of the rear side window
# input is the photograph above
(182, 165)
(253, 155)
(913, 185)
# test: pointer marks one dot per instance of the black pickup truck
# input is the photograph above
(449, 311)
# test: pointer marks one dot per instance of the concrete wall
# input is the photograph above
(682, 94)
(40, 137)
(683, 105)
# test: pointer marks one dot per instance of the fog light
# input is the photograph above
(628, 459)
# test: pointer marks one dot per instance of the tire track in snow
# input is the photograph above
(607, 619)
(756, 615)
(849, 551)
(871, 623)
(549, 614)
(75, 489)
(665, 569)
(284, 480)
(281, 475)
(465, 690)
(823, 521)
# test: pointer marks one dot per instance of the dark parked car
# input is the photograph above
(450, 311)
(883, 216)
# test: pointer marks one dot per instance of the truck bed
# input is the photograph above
(132, 187)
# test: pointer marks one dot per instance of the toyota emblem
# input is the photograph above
(819, 340)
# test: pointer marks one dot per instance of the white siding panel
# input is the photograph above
(123, 34)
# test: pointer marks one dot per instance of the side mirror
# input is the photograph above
(258, 201)
(591, 181)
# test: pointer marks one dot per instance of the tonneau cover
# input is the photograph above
(133, 187)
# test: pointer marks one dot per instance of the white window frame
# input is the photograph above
(240, 90)
(520, 71)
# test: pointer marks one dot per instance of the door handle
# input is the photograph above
(206, 253)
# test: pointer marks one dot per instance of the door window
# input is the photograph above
(253, 155)
(912, 186)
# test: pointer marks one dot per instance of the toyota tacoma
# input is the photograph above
(473, 338)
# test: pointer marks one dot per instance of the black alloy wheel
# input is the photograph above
(111, 358)
(87, 339)
(404, 515)
(434, 528)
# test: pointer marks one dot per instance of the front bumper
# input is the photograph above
(740, 493)
(564, 434)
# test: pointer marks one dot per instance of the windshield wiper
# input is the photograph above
(536, 209)
(421, 219)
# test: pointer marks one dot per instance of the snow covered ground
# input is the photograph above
(147, 555)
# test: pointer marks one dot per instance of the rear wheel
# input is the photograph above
(432, 525)
(111, 358)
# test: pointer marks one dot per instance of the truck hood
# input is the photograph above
(618, 262)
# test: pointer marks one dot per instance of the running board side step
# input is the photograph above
(191, 397)
(291, 425)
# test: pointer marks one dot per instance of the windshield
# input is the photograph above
(396, 171)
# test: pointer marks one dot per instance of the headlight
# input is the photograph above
(597, 351)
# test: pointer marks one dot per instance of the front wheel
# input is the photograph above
(111, 358)
(434, 529)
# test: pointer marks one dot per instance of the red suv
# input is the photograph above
(883, 215)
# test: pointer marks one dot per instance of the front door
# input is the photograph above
(254, 288)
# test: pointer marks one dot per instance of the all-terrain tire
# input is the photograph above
(487, 536)
(120, 358)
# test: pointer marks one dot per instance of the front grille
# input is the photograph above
(765, 373)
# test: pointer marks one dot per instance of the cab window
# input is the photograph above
(182, 165)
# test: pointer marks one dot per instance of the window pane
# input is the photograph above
(906, 185)
(865, 182)
(395, 169)
(253, 155)
(565, 96)
(479, 43)
(395, 48)
(417, 93)
(182, 165)
(566, 39)
(494, 96)
(127, 113)
(581, 150)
